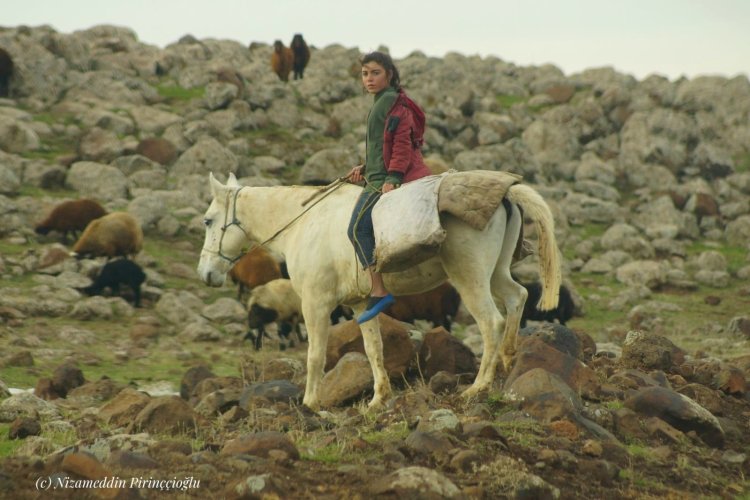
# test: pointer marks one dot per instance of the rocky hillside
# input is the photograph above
(645, 395)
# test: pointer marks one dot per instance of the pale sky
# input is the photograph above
(639, 37)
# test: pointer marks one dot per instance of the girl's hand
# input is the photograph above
(387, 187)
(355, 175)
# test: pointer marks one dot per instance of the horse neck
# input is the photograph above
(266, 210)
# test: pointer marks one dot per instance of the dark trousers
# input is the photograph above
(361, 232)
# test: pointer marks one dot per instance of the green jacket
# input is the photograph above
(375, 172)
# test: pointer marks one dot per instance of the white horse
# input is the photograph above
(325, 271)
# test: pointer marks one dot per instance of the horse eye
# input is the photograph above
(207, 222)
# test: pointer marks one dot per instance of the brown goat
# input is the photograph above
(439, 306)
(281, 60)
(70, 216)
(256, 267)
(301, 53)
(6, 72)
(115, 234)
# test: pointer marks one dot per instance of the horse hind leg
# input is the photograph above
(469, 267)
(507, 292)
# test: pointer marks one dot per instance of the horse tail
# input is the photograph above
(534, 206)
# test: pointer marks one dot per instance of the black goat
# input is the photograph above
(562, 313)
(259, 316)
(119, 272)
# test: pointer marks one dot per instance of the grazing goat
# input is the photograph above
(301, 53)
(281, 60)
(256, 267)
(276, 301)
(562, 313)
(70, 216)
(439, 306)
(113, 235)
(6, 72)
(115, 273)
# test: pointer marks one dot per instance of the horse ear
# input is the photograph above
(216, 187)
(232, 181)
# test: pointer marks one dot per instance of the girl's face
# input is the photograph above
(374, 77)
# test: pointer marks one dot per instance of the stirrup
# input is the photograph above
(375, 306)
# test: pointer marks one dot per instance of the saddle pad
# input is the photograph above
(407, 225)
(475, 195)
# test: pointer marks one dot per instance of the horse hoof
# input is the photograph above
(312, 406)
(472, 392)
(376, 402)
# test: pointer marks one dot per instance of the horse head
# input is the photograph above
(225, 237)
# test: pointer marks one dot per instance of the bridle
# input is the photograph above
(227, 224)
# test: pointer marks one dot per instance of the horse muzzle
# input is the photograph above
(211, 274)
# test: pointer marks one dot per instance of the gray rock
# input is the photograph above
(225, 310)
(327, 165)
(650, 351)
(25, 404)
(648, 273)
(96, 180)
(199, 331)
(9, 182)
(416, 482)
(544, 395)
(679, 411)
(16, 136)
(207, 155)
(274, 390)
(440, 420)
(99, 145)
(219, 94)
(180, 307)
(350, 378)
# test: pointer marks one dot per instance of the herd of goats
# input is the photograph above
(262, 280)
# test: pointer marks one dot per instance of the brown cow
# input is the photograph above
(282, 60)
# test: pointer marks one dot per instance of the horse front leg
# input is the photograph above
(374, 350)
(318, 328)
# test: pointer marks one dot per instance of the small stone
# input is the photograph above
(592, 448)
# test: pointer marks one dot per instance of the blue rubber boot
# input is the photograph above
(375, 306)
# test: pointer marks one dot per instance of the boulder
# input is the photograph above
(440, 351)
(679, 411)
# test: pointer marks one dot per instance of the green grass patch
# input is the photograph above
(8, 446)
(393, 433)
(736, 256)
(175, 93)
(329, 454)
(742, 163)
(638, 450)
(37, 192)
(506, 101)
(11, 249)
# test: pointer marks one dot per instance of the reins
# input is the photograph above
(321, 194)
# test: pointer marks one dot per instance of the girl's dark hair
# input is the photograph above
(387, 63)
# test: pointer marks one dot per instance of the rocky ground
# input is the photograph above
(643, 395)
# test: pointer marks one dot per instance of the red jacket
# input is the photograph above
(401, 147)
